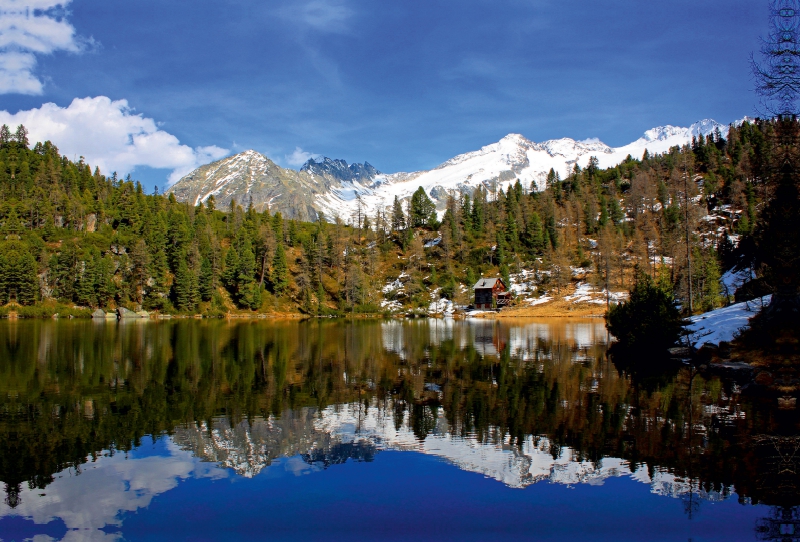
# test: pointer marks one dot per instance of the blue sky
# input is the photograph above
(404, 85)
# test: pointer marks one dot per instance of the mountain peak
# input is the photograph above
(515, 138)
(335, 187)
(701, 127)
(340, 170)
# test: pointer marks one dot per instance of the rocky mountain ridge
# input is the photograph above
(336, 188)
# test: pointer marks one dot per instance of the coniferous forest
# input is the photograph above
(75, 239)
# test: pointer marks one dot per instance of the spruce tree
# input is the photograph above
(398, 216)
(5, 135)
(85, 291)
(182, 287)
(27, 281)
(421, 208)
(231, 271)
(206, 280)
(249, 292)
(21, 136)
(105, 286)
(280, 271)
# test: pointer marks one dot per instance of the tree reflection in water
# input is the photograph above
(243, 394)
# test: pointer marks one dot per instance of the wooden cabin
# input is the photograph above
(491, 293)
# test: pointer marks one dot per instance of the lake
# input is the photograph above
(377, 430)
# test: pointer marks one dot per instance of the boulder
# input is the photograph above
(124, 313)
(99, 313)
(142, 314)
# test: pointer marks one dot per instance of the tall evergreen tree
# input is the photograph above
(280, 271)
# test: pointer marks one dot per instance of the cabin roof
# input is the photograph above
(487, 283)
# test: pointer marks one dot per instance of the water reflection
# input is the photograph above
(89, 500)
(521, 403)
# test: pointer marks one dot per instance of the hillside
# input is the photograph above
(75, 238)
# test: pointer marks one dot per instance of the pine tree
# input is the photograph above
(231, 271)
(21, 136)
(5, 135)
(505, 275)
(140, 262)
(398, 216)
(280, 271)
(22, 279)
(247, 288)
(470, 278)
(105, 286)
(206, 280)
(85, 293)
(182, 287)
(320, 298)
(478, 211)
(421, 208)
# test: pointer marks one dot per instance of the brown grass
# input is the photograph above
(557, 308)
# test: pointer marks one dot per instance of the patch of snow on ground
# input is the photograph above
(539, 300)
(392, 305)
(583, 293)
(722, 324)
(442, 306)
(520, 286)
(396, 285)
(431, 244)
(616, 297)
(393, 286)
(733, 280)
(579, 271)
(475, 312)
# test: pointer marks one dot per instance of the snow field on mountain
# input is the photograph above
(340, 190)
(501, 164)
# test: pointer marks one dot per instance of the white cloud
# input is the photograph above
(28, 28)
(110, 136)
(16, 73)
(300, 157)
(323, 15)
(107, 487)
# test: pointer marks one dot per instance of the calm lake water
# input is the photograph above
(376, 430)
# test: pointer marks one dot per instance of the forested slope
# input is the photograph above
(73, 237)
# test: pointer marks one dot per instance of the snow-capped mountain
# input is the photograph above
(335, 188)
(353, 431)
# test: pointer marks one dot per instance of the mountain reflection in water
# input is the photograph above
(521, 403)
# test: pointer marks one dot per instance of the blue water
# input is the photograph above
(305, 431)
(406, 495)
(401, 496)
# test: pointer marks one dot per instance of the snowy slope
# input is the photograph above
(503, 163)
(334, 187)
(724, 324)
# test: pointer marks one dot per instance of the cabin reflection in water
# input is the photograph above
(520, 402)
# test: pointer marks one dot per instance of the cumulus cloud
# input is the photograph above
(107, 487)
(29, 28)
(110, 136)
(16, 74)
(299, 157)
